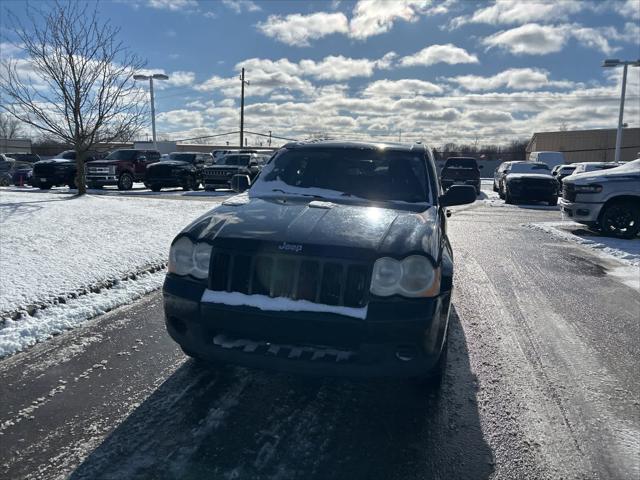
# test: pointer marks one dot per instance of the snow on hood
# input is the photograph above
(544, 176)
(631, 168)
(54, 160)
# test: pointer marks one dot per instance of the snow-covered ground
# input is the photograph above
(55, 250)
(625, 252)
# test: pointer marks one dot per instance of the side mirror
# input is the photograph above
(240, 183)
(458, 195)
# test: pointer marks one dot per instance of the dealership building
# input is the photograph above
(588, 145)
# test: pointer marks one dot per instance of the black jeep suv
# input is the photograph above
(335, 262)
(179, 169)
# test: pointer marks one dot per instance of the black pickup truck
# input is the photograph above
(335, 262)
(59, 171)
(220, 174)
(179, 169)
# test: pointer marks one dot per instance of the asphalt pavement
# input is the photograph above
(541, 383)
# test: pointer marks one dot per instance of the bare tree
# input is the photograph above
(76, 82)
(9, 127)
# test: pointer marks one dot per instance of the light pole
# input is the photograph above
(243, 83)
(156, 76)
(614, 62)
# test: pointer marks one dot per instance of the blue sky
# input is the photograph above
(439, 71)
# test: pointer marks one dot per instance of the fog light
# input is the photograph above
(405, 353)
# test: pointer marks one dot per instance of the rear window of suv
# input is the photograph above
(529, 168)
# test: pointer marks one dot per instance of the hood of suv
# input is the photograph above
(612, 174)
(318, 228)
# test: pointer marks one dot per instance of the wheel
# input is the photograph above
(156, 188)
(620, 219)
(501, 194)
(191, 184)
(507, 197)
(196, 358)
(553, 202)
(44, 186)
(71, 184)
(196, 186)
(495, 188)
(4, 182)
(125, 182)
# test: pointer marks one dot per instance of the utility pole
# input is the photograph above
(400, 136)
(269, 137)
(243, 82)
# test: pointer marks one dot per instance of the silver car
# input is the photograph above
(606, 199)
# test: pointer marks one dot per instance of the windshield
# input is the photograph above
(334, 172)
(122, 155)
(234, 160)
(183, 157)
(529, 168)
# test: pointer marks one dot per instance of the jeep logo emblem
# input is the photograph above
(290, 247)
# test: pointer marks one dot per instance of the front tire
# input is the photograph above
(44, 186)
(156, 188)
(507, 197)
(125, 182)
(553, 202)
(433, 380)
(620, 219)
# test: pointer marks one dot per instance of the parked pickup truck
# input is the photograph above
(179, 169)
(121, 168)
(220, 174)
(608, 199)
(58, 171)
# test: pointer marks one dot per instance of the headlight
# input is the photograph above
(187, 258)
(588, 188)
(412, 277)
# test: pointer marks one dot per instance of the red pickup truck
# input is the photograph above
(121, 168)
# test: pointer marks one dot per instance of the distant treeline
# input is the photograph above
(516, 150)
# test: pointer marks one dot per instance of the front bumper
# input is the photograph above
(102, 180)
(48, 179)
(532, 192)
(580, 212)
(397, 339)
(448, 183)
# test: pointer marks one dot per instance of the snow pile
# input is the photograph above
(279, 304)
(624, 251)
(53, 245)
(28, 330)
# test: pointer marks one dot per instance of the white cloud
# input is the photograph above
(181, 79)
(432, 54)
(8, 49)
(332, 67)
(513, 78)
(488, 116)
(337, 68)
(536, 39)
(182, 117)
(401, 88)
(373, 17)
(530, 38)
(239, 6)
(520, 12)
(627, 8)
(297, 29)
(173, 5)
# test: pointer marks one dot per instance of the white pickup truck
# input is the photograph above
(608, 199)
